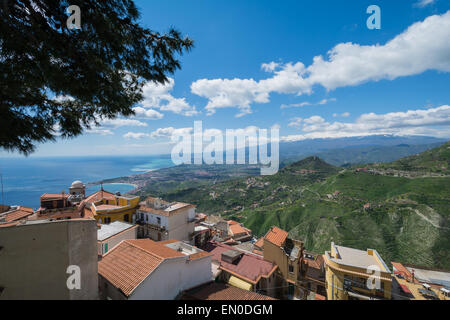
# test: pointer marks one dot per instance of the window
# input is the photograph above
(291, 268)
(105, 248)
(107, 220)
(158, 219)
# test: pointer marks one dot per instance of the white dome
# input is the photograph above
(77, 184)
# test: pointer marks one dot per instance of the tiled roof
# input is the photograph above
(53, 196)
(260, 243)
(221, 291)
(20, 213)
(132, 261)
(156, 248)
(99, 195)
(238, 229)
(276, 236)
(127, 265)
(250, 267)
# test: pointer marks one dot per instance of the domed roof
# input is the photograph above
(77, 184)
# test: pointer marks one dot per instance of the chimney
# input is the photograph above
(412, 272)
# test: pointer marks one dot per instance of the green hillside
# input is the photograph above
(404, 217)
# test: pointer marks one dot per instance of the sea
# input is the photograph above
(24, 180)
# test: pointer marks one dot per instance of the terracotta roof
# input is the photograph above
(276, 236)
(250, 267)
(316, 263)
(238, 229)
(20, 213)
(156, 248)
(54, 196)
(99, 195)
(403, 271)
(232, 222)
(260, 243)
(199, 255)
(221, 291)
(127, 265)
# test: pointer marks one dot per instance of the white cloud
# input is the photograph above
(423, 46)
(147, 113)
(424, 3)
(411, 122)
(116, 123)
(158, 96)
(169, 131)
(136, 135)
(295, 122)
(306, 103)
(344, 115)
(103, 132)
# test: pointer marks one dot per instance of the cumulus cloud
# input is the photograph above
(157, 96)
(423, 46)
(147, 113)
(411, 122)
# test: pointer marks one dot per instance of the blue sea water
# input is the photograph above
(26, 179)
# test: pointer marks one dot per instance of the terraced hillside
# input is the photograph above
(401, 210)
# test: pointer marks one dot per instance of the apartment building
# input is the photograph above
(146, 269)
(160, 220)
(349, 274)
(287, 254)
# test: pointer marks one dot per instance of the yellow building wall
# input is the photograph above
(336, 278)
(118, 215)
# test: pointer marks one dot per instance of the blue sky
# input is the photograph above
(256, 63)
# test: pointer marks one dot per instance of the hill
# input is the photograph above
(404, 217)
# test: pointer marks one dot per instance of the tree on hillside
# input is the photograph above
(56, 80)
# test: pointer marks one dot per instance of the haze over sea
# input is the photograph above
(26, 179)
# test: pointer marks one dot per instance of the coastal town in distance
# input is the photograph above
(225, 158)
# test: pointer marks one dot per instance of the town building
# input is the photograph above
(55, 201)
(110, 235)
(107, 207)
(314, 274)
(349, 274)
(161, 220)
(238, 232)
(222, 291)
(287, 254)
(15, 213)
(242, 269)
(39, 258)
(77, 192)
(413, 283)
(146, 269)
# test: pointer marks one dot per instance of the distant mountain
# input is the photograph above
(349, 151)
(435, 160)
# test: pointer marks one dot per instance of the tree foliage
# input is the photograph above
(56, 81)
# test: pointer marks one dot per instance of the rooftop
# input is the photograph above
(132, 261)
(250, 267)
(276, 236)
(108, 230)
(221, 291)
(356, 258)
(161, 207)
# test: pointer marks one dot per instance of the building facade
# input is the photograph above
(350, 275)
(287, 254)
(148, 270)
(161, 220)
